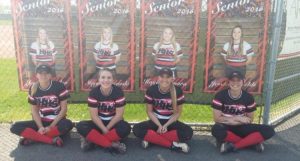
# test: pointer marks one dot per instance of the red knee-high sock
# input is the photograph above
(171, 135)
(53, 132)
(31, 134)
(97, 138)
(155, 138)
(112, 135)
(231, 137)
(251, 139)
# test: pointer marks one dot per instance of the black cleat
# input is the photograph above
(181, 147)
(86, 145)
(260, 147)
(227, 147)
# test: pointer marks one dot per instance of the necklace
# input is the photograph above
(235, 98)
(162, 91)
(106, 93)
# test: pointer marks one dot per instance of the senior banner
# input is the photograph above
(169, 30)
(106, 40)
(42, 36)
(236, 41)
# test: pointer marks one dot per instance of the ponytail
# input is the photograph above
(174, 98)
(33, 89)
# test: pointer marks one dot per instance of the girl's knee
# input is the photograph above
(138, 131)
(218, 131)
(267, 132)
(17, 129)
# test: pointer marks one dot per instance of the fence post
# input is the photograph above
(271, 63)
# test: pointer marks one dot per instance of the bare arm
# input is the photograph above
(177, 59)
(219, 118)
(152, 116)
(95, 118)
(61, 114)
(36, 116)
(233, 120)
(118, 57)
(95, 56)
(249, 60)
(116, 118)
(174, 117)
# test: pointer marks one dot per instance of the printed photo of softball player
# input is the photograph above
(42, 52)
(166, 52)
(106, 53)
(237, 52)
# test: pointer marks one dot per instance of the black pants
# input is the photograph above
(122, 127)
(219, 130)
(63, 126)
(184, 132)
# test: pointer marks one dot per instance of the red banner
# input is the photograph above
(169, 35)
(106, 40)
(236, 41)
(42, 34)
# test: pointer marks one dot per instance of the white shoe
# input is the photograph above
(259, 147)
(145, 144)
(183, 147)
(85, 145)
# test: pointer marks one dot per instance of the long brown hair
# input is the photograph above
(39, 41)
(231, 43)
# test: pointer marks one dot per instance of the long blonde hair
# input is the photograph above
(231, 43)
(111, 35)
(173, 97)
(173, 40)
(34, 88)
(39, 41)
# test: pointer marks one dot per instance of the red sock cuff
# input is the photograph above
(155, 138)
(97, 138)
(112, 135)
(231, 137)
(31, 134)
(53, 132)
(171, 135)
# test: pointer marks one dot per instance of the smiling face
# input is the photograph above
(165, 81)
(237, 33)
(167, 35)
(236, 84)
(105, 79)
(106, 34)
(42, 35)
(43, 77)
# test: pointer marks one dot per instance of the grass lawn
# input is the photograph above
(14, 106)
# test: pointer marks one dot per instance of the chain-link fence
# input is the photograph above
(13, 103)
